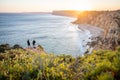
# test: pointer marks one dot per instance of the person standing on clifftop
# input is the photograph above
(28, 43)
(33, 43)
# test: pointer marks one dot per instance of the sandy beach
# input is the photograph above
(94, 31)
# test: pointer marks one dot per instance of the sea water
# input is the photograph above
(55, 33)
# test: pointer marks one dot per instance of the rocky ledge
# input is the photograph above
(109, 21)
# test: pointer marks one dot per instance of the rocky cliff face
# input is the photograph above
(107, 20)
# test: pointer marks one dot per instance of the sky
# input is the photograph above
(50, 5)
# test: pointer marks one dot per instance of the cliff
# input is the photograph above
(107, 20)
(68, 13)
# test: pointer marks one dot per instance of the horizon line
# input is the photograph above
(52, 11)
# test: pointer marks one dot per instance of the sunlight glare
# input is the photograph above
(82, 5)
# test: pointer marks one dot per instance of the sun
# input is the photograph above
(82, 5)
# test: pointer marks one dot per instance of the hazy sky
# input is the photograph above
(49, 5)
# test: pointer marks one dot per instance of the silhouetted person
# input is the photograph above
(34, 43)
(28, 43)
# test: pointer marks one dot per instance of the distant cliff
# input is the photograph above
(69, 13)
(107, 20)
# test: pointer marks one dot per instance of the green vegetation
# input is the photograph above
(20, 64)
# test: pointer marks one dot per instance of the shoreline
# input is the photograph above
(93, 33)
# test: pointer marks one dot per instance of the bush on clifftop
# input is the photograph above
(18, 64)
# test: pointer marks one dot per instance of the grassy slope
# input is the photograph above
(18, 64)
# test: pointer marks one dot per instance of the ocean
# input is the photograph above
(55, 33)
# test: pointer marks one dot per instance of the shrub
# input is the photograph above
(19, 64)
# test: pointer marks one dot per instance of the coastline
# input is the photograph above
(92, 32)
(109, 21)
(104, 27)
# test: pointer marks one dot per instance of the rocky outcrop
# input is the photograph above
(107, 20)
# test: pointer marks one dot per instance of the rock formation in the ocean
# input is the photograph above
(107, 20)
